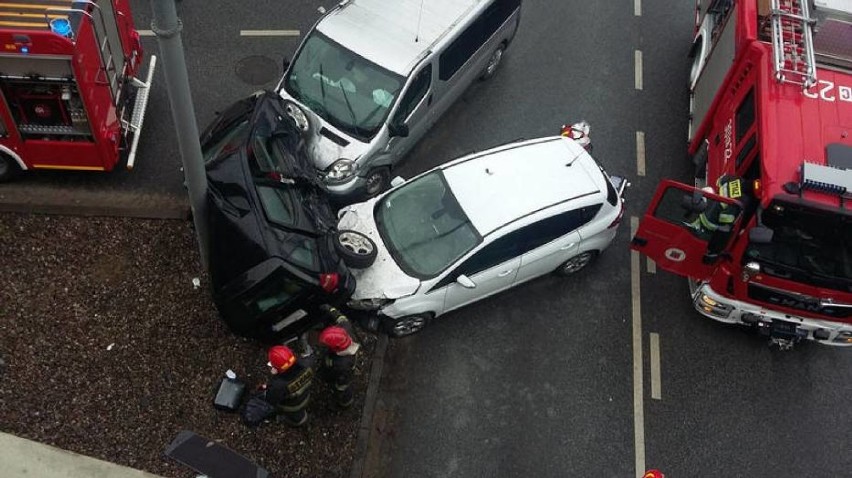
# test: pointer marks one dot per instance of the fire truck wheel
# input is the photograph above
(8, 168)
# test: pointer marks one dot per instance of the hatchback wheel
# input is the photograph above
(408, 325)
(576, 263)
(356, 249)
(493, 62)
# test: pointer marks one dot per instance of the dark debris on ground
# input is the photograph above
(108, 350)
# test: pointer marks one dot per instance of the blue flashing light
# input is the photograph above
(61, 26)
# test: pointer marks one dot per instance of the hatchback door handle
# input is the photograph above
(569, 246)
(504, 273)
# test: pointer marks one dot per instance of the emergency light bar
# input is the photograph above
(827, 179)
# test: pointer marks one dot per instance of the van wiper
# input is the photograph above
(349, 108)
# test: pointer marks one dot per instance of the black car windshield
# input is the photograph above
(808, 245)
(423, 226)
(343, 88)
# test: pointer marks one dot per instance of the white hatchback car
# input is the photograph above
(479, 225)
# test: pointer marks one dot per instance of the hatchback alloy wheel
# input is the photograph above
(576, 263)
(407, 325)
(357, 250)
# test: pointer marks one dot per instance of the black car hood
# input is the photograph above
(241, 235)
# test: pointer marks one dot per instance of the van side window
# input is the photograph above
(418, 89)
(474, 36)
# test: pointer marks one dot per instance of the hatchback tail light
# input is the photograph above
(329, 282)
(617, 220)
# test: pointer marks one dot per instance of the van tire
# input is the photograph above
(493, 62)
(8, 168)
(357, 250)
(378, 181)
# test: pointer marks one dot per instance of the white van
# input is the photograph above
(372, 76)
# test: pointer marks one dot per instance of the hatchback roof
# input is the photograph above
(498, 186)
(393, 34)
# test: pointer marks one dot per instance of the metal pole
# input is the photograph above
(166, 25)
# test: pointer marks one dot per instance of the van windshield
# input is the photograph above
(353, 94)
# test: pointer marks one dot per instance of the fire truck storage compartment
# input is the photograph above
(43, 99)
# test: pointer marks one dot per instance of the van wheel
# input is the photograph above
(8, 168)
(378, 181)
(493, 63)
(408, 325)
(357, 250)
(576, 263)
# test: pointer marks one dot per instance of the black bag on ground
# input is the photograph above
(256, 410)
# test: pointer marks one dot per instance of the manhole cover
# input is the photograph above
(257, 69)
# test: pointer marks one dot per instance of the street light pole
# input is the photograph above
(166, 25)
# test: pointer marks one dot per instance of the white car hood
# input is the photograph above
(384, 279)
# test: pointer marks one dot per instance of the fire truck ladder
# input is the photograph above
(792, 42)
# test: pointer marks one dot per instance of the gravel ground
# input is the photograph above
(107, 349)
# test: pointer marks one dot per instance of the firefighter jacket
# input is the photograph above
(290, 391)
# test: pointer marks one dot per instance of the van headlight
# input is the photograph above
(340, 171)
(298, 116)
(844, 337)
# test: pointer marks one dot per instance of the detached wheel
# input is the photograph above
(576, 263)
(8, 168)
(357, 250)
(408, 325)
(493, 62)
(378, 181)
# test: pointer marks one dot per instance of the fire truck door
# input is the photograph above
(686, 231)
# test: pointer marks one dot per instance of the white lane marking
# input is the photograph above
(145, 33)
(640, 153)
(656, 383)
(638, 60)
(652, 266)
(637, 8)
(638, 403)
(269, 33)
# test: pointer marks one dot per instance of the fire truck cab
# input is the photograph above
(69, 97)
(764, 234)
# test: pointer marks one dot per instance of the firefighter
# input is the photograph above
(718, 214)
(338, 365)
(289, 389)
(653, 474)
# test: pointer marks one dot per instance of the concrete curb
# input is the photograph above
(41, 200)
(365, 428)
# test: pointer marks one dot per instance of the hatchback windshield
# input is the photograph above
(343, 88)
(424, 227)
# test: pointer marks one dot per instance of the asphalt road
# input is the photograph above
(543, 380)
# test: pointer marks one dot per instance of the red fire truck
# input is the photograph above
(765, 236)
(69, 97)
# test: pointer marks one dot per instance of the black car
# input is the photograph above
(274, 252)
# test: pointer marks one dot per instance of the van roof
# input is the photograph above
(500, 185)
(387, 33)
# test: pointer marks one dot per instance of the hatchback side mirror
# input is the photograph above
(465, 282)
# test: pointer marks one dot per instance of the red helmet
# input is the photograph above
(653, 474)
(335, 338)
(281, 357)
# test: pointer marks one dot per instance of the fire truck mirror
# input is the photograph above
(760, 235)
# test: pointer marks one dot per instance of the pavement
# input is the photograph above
(25, 458)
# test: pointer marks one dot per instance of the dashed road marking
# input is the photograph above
(638, 400)
(638, 61)
(145, 33)
(656, 383)
(637, 8)
(269, 33)
(640, 153)
(652, 266)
